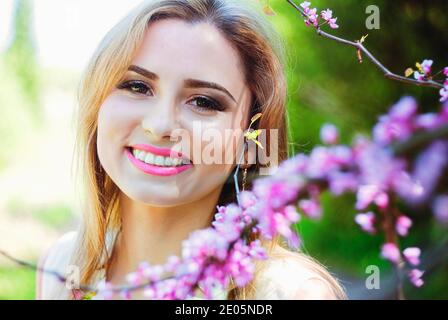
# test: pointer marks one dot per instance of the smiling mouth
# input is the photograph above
(157, 165)
(158, 160)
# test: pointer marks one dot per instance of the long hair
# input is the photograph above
(263, 56)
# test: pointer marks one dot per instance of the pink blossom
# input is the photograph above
(313, 18)
(306, 6)
(329, 134)
(247, 199)
(153, 273)
(415, 277)
(368, 194)
(293, 166)
(291, 214)
(440, 208)
(407, 187)
(341, 182)
(445, 71)
(419, 76)
(426, 66)
(149, 292)
(257, 251)
(239, 265)
(333, 24)
(428, 167)
(412, 255)
(277, 193)
(366, 221)
(403, 224)
(444, 94)
(398, 123)
(126, 294)
(428, 121)
(105, 290)
(78, 295)
(404, 109)
(326, 14)
(390, 251)
(172, 263)
(133, 278)
(310, 208)
(382, 200)
(444, 113)
(365, 196)
(322, 161)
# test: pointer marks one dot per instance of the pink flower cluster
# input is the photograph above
(210, 257)
(371, 170)
(391, 252)
(313, 17)
(424, 73)
(444, 90)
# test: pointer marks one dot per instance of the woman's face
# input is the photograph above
(185, 91)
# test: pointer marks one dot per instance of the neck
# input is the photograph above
(152, 234)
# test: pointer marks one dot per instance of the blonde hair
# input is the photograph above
(263, 56)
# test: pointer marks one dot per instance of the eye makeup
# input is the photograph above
(202, 103)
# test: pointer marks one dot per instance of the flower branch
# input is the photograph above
(312, 18)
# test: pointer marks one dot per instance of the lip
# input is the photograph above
(153, 169)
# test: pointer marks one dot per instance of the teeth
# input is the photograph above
(149, 158)
(141, 156)
(158, 160)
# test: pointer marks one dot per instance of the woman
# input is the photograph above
(174, 68)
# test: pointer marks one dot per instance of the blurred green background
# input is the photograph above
(326, 84)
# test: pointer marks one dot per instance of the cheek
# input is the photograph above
(116, 118)
(115, 123)
(224, 136)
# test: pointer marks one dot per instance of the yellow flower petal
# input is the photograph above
(408, 72)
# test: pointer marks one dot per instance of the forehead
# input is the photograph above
(177, 50)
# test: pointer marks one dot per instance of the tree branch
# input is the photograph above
(359, 46)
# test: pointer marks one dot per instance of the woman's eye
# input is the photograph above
(207, 104)
(136, 87)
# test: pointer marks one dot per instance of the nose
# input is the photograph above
(159, 122)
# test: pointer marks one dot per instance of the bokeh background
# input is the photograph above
(44, 45)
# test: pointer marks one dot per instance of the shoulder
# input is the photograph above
(290, 275)
(56, 258)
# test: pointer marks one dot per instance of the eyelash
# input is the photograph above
(129, 85)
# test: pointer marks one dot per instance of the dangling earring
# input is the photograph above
(235, 175)
(248, 135)
(244, 178)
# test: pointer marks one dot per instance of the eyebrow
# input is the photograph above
(190, 83)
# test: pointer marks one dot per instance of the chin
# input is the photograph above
(155, 198)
